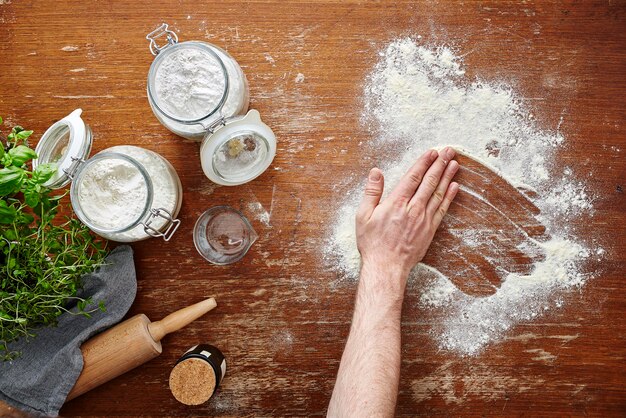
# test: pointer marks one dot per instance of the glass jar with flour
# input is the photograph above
(124, 193)
(192, 84)
(198, 91)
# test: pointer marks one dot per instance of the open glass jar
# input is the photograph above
(192, 84)
(223, 235)
(123, 193)
(198, 91)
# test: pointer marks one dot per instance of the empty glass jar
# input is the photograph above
(223, 235)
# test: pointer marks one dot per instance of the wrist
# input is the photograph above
(385, 283)
(388, 271)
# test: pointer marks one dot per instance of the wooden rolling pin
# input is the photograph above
(130, 344)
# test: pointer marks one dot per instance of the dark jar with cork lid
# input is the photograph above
(197, 374)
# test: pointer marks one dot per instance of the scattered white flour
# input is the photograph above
(418, 97)
(70, 48)
(440, 290)
(114, 192)
(299, 78)
(189, 84)
(567, 197)
(269, 59)
(260, 213)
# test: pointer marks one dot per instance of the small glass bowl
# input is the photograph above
(223, 235)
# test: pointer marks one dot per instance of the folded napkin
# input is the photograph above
(41, 378)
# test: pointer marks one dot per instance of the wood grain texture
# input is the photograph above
(283, 317)
(114, 352)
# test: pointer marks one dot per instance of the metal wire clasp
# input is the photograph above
(71, 171)
(172, 224)
(162, 30)
(215, 125)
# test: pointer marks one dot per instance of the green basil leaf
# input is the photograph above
(31, 197)
(7, 213)
(9, 234)
(11, 179)
(44, 172)
(16, 130)
(21, 154)
(24, 134)
(25, 218)
(5, 160)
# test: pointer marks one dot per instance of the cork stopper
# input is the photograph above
(193, 381)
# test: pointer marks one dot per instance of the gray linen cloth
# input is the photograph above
(40, 379)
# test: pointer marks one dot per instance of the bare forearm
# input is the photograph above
(369, 372)
(392, 237)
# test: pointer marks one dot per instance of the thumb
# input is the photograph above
(373, 193)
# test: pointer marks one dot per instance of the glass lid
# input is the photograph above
(241, 156)
(188, 81)
(239, 150)
(111, 193)
(67, 143)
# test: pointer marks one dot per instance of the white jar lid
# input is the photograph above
(238, 150)
(66, 143)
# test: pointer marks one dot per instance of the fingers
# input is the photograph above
(432, 178)
(441, 211)
(410, 182)
(373, 193)
(440, 190)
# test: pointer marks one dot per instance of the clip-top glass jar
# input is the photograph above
(192, 84)
(198, 91)
(124, 193)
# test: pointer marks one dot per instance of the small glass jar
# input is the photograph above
(197, 374)
(192, 84)
(124, 193)
(223, 235)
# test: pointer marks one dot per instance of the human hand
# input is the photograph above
(395, 233)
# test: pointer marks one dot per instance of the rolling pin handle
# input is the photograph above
(179, 319)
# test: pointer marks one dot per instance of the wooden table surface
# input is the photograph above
(282, 320)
